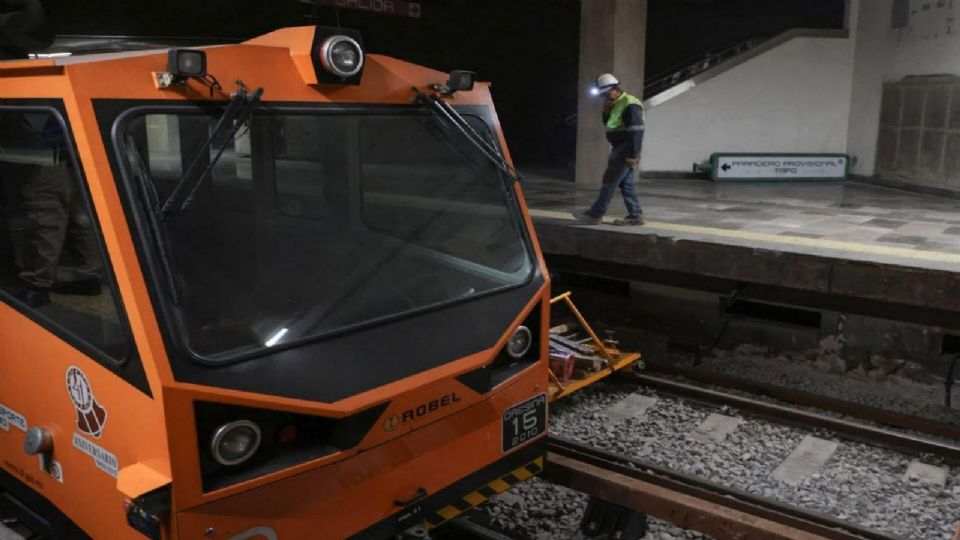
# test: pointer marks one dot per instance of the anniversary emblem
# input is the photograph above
(91, 417)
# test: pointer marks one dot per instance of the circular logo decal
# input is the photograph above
(79, 389)
(391, 423)
(91, 417)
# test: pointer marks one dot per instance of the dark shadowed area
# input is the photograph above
(527, 48)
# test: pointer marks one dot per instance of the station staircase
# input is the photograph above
(691, 68)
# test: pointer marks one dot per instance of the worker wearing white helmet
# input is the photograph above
(624, 120)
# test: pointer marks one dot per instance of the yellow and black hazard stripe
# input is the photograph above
(475, 498)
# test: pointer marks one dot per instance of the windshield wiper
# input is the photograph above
(447, 114)
(149, 193)
(237, 115)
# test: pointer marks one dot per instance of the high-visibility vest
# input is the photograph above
(615, 120)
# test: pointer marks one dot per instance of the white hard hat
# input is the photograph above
(606, 82)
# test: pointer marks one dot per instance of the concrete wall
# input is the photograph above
(792, 98)
(871, 62)
(826, 94)
(902, 124)
(928, 45)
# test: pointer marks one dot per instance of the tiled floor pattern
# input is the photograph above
(835, 219)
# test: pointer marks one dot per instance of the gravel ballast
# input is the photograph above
(859, 483)
(538, 510)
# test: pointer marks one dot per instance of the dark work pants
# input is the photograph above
(618, 175)
(58, 222)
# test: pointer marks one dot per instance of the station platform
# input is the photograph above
(843, 244)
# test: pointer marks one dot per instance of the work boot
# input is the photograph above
(634, 221)
(588, 219)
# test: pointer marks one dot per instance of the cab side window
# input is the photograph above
(52, 264)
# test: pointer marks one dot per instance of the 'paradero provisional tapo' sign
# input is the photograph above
(388, 7)
(773, 167)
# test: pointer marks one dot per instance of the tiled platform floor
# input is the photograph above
(847, 220)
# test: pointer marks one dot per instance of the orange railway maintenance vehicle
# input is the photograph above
(273, 290)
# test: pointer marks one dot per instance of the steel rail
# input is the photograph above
(846, 429)
(809, 399)
(687, 501)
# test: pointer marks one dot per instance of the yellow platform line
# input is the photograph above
(854, 247)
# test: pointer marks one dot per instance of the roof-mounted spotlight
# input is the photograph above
(459, 81)
(341, 56)
(187, 63)
(184, 64)
(338, 55)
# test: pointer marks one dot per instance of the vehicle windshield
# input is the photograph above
(314, 222)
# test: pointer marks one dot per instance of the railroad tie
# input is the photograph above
(632, 406)
(807, 458)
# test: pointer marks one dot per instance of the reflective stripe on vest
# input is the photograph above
(615, 120)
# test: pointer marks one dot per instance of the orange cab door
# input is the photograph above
(68, 364)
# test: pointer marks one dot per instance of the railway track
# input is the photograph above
(809, 399)
(687, 501)
(856, 431)
(691, 502)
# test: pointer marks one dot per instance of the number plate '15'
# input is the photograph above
(524, 422)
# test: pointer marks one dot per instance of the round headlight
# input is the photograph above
(235, 442)
(342, 56)
(520, 343)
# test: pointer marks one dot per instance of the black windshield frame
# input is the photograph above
(158, 282)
